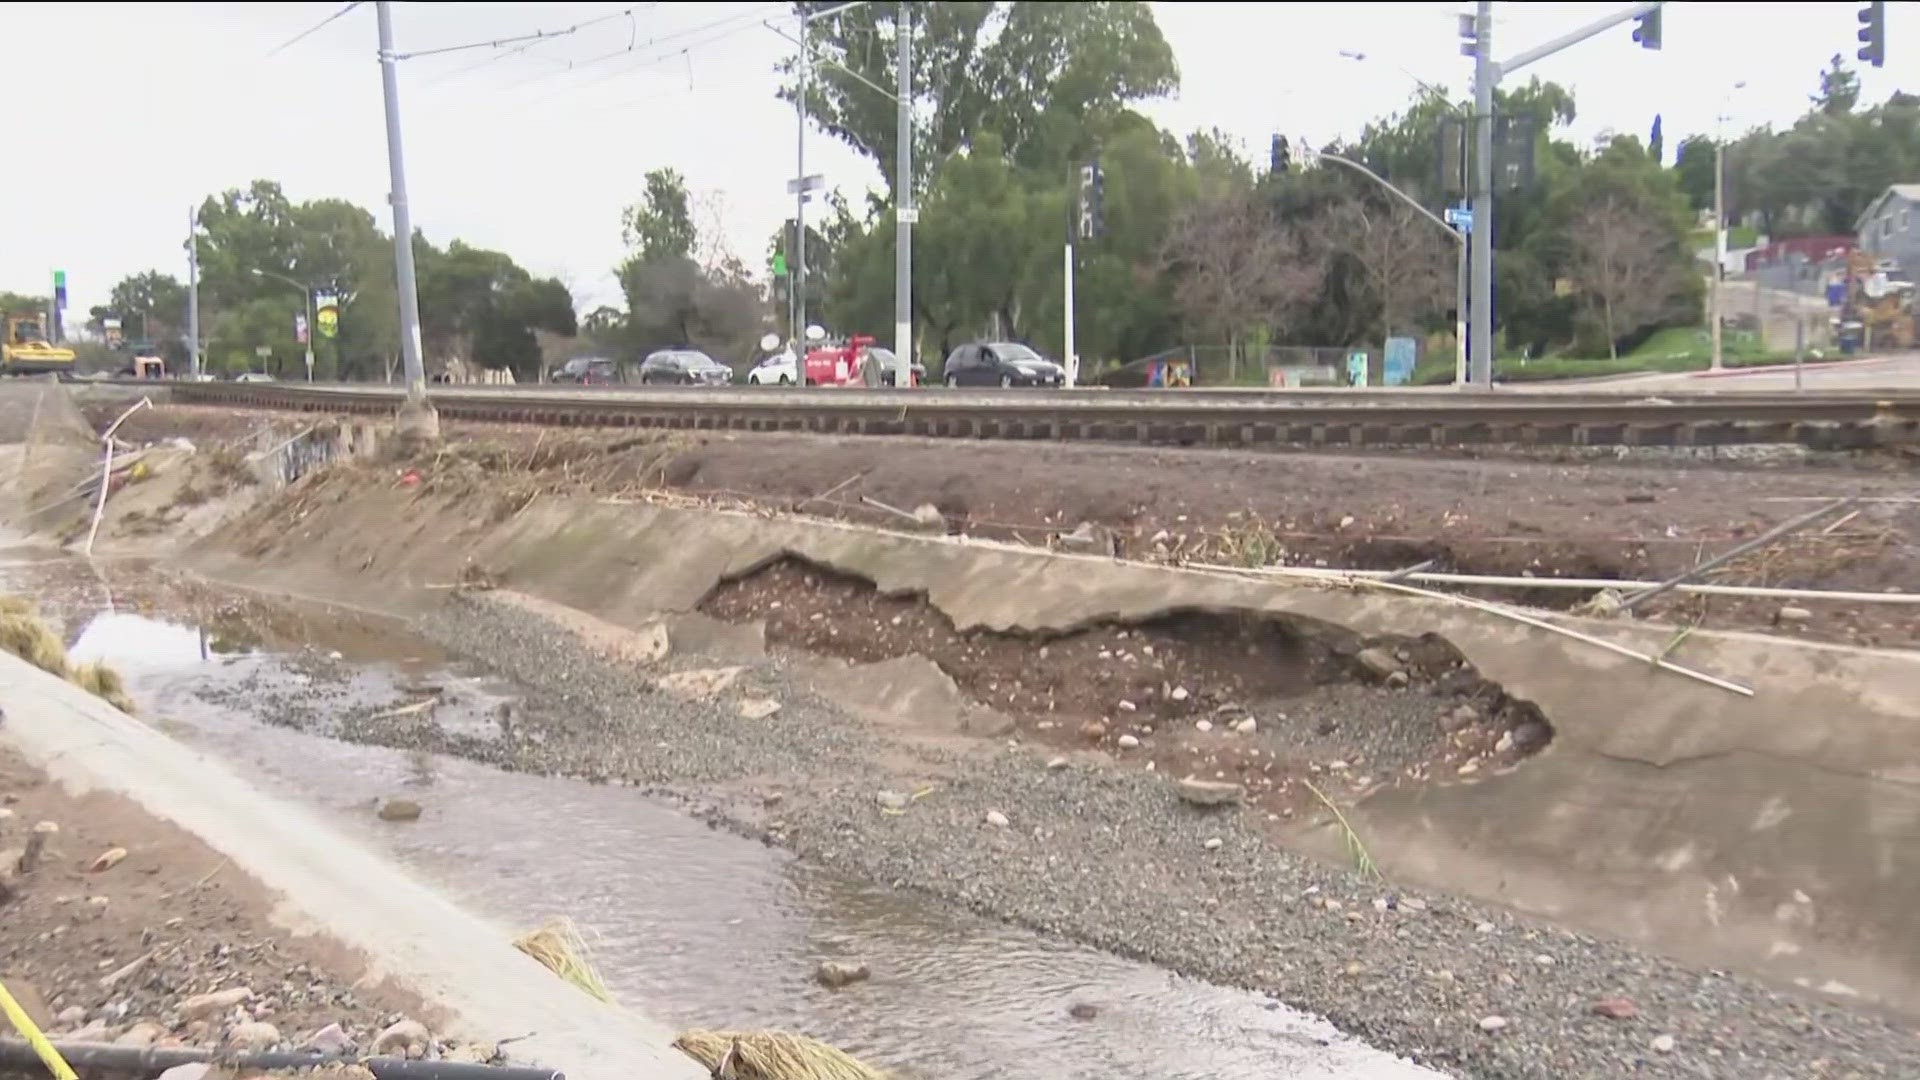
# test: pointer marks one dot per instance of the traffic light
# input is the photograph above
(1469, 36)
(1093, 202)
(1647, 30)
(1280, 158)
(1873, 33)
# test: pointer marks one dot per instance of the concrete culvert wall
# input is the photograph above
(1778, 833)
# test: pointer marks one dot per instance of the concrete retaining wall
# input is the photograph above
(1778, 833)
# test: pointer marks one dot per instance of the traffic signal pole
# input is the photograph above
(1487, 73)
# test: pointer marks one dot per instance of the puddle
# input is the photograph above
(689, 924)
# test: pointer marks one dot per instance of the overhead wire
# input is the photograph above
(734, 20)
(536, 37)
(312, 30)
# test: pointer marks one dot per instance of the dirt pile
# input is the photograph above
(121, 928)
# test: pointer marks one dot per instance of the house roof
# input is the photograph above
(1909, 192)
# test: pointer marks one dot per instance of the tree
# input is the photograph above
(660, 226)
(1839, 89)
(1237, 269)
(1039, 76)
(1404, 261)
(1625, 265)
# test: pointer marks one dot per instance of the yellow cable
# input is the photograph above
(22, 1023)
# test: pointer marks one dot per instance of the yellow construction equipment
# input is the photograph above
(26, 350)
(1884, 307)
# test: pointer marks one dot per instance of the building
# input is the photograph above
(1889, 228)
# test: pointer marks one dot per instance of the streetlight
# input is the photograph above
(306, 291)
(1720, 214)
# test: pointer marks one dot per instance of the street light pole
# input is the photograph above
(903, 207)
(1720, 225)
(1480, 262)
(193, 292)
(417, 420)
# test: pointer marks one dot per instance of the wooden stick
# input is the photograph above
(1405, 572)
(1735, 552)
(834, 490)
(1315, 573)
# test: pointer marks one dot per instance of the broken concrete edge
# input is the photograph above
(332, 885)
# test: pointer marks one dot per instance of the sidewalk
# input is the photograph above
(451, 958)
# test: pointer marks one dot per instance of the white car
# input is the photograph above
(253, 376)
(775, 370)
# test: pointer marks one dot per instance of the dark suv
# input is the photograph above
(588, 371)
(689, 367)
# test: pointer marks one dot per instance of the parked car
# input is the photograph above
(1001, 363)
(775, 370)
(253, 376)
(890, 361)
(588, 371)
(684, 367)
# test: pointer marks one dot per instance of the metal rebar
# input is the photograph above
(1760, 541)
(150, 1060)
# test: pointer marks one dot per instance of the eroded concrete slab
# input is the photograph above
(1779, 833)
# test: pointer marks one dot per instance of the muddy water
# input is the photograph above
(690, 925)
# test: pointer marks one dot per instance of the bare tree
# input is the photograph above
(1236, 268)
(1626, 265)
(1402, 257)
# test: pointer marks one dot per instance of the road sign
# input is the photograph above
(908, 215)
(806, 183)
(1460, 217)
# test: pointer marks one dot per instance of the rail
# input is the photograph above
(1827, 422)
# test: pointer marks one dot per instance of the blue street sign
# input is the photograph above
(1460, 217)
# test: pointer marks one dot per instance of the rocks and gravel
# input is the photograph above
(1113, 857)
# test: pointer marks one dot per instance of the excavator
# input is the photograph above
(26, 350)
(1878, 308)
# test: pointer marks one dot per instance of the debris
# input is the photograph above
(1213, 843)
(758, 708)
(1791, 614)
(1246, 726)
(997, 819)
(399, 810)
(1093, 731)
(409, 709)
(142, 1034)
(1378, 663)
(202, 1006)
(1492, 1023)
(1083, 1011)
(701, 684)
(121, 974)
(1614, 1008)
(1736, 551)
(1663, 1044)
(770, 1055)
(892, 800)
(331, 1040)
(837, 973)
(405, 1038)
(253, 1035)
(1208, 792)
(106, 860)
(1056, 764)
(560, 949)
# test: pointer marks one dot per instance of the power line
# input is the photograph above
(312, 30)
(534, 38)
(748, 17)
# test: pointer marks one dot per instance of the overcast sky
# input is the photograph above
(151, 107)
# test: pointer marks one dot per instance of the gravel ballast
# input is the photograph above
(1111, 857)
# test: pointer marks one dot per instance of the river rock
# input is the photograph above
(201, 1006)
(1083, 1011)
(1663, 1044)
(1093, 731)
(1128, 742)
(837, 973)
(404, 1038)
(1459, 719)
(399, 810)
(331, 1040)
(1493, 1023)
(758, 708)
(253, 1035)
(892, 800)
(1615, 1008)
(1246, 726)
(1378, 663)
(1214, 843)
(143, 1034)
(71, 1017)
(997, 819)
(1792, 614)
(1208, 792)
(192, 1070)
(702, 684)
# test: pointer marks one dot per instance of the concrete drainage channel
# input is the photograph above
(707, 927)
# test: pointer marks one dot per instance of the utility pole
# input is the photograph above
(1487, 73)
(193, 291)
(904, 212)
(1480, 263)
(799, 267)
(417, 419)
(1719, 241)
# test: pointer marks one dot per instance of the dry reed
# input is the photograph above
(23, 634)
(770, 1055)
(560, 949)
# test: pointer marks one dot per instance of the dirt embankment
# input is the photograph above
(1525, 517)
(123, 928)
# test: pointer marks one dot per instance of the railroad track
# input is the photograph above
(1823, 422)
